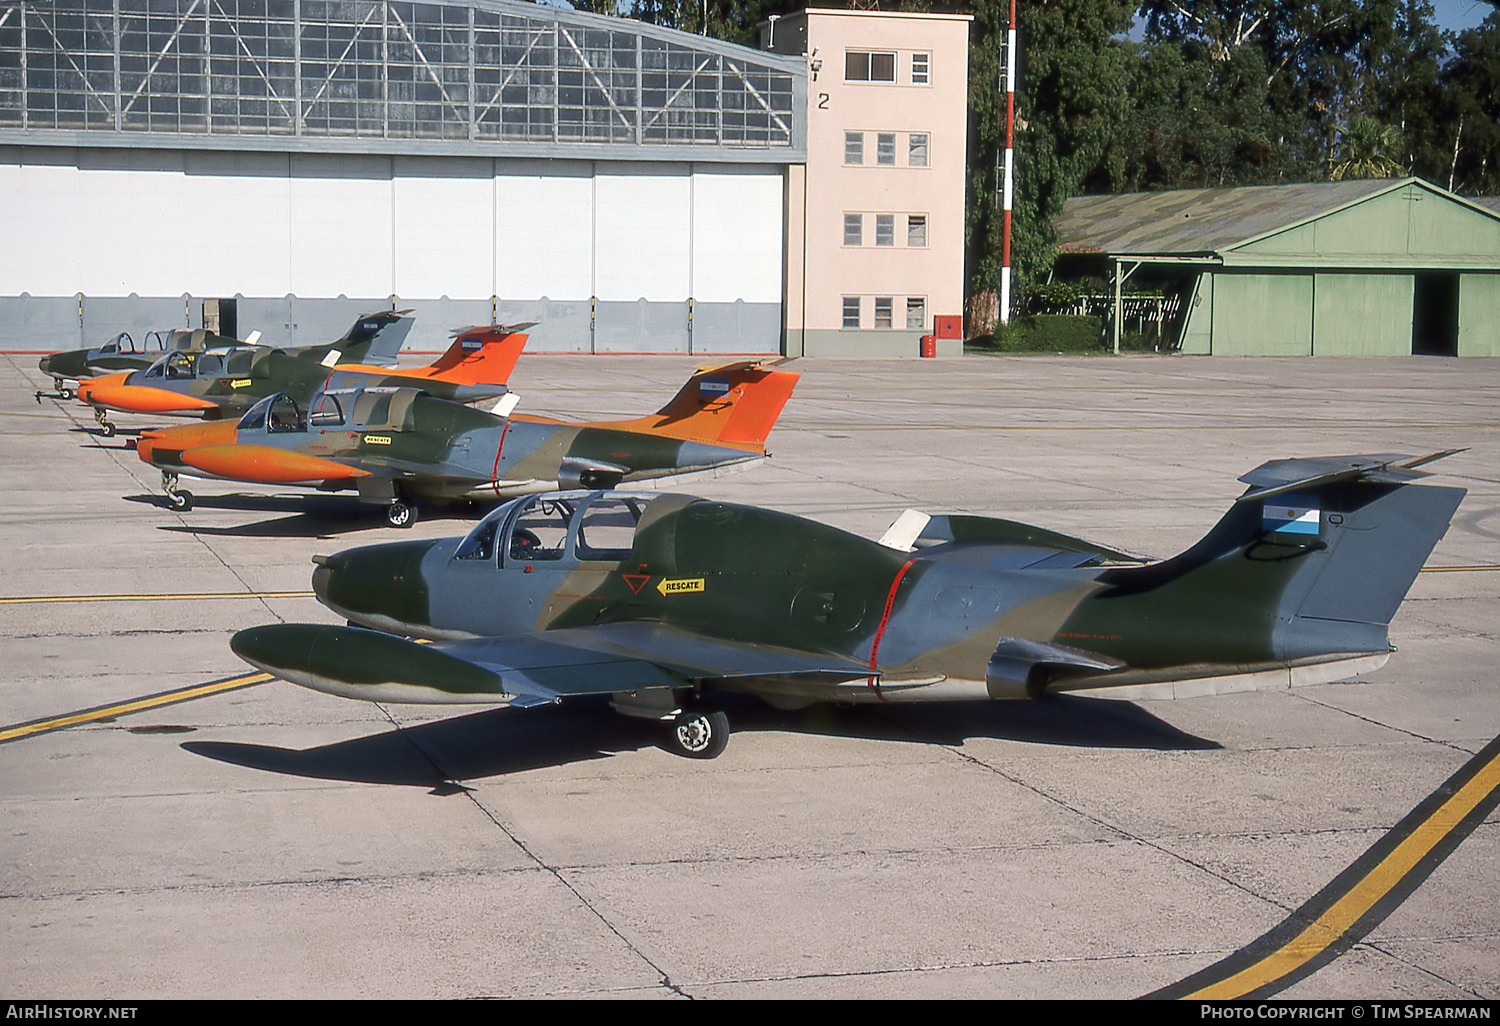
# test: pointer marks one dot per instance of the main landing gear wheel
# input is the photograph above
(700, 733)
(400, 514)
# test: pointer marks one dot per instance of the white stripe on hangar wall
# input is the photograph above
(168, 223)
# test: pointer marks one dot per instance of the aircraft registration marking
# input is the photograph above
(680, 585)
(1358, 899)
(134, 705)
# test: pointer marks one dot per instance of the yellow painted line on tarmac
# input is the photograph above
(134, 705)
(1455, 569)
(28, 599)
(1361, 897)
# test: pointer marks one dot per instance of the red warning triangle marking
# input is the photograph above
(636, 581)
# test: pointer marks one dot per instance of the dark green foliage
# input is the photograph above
(1047, 333)
(1195, 122)
(1072, 98)
(1471, 140)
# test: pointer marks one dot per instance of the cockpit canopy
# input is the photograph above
(558, 526)
(215, 363)
(278, 413)
(383, 409)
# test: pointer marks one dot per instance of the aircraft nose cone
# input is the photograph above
(378, 586)
(320, 579)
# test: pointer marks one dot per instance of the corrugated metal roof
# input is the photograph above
(1201, 221)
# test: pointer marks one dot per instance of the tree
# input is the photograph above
(1071, 81)
(1196, 121)
(1367, 145)
(1307, 48)
(735, 21)
(1472, 86)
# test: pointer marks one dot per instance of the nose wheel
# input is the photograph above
(105, 427)
(59, 391)
(180, 499)
(400, 514)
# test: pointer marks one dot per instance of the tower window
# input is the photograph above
(867, 66)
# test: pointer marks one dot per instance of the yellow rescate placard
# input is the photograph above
(680, 585)
(240, 383)
(377, 439)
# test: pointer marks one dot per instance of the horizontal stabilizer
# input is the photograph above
(1297, 475)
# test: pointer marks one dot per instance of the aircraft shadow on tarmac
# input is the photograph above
(497, 742)
(312, 516)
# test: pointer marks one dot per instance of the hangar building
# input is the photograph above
(284, 165)
(1377, 267)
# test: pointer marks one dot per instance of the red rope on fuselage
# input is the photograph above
(885, 616)
(499, 450)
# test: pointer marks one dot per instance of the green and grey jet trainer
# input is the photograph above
(660, 600)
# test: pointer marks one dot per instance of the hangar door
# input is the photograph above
(643, 258)
(606, 256)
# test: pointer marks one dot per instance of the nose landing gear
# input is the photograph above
(60, 391)
(180, 499)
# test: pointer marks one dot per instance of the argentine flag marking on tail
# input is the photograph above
(1290, 514)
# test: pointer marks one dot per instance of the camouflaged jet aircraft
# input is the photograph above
(225, 383)
(660, 600)
(396, 445)
(375, 338)
(121, 353)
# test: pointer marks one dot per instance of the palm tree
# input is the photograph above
(1364, 150)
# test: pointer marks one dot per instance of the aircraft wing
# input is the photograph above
(525, 669)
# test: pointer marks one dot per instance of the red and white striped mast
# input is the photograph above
(1010, 122)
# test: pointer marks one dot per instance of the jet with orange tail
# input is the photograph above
(398, 445)
(224, 383)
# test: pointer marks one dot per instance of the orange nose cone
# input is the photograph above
(87, 386)
(140, 399)
(154, 445)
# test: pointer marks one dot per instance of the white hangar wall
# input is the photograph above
(604, 255)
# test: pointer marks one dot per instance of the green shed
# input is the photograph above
(1381, 267)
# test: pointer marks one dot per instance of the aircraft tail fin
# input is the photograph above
(482, 355)
(733, 405)
(1316, 557)
(376, 338)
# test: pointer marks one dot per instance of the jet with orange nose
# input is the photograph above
(398, 445)
(224, 383)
